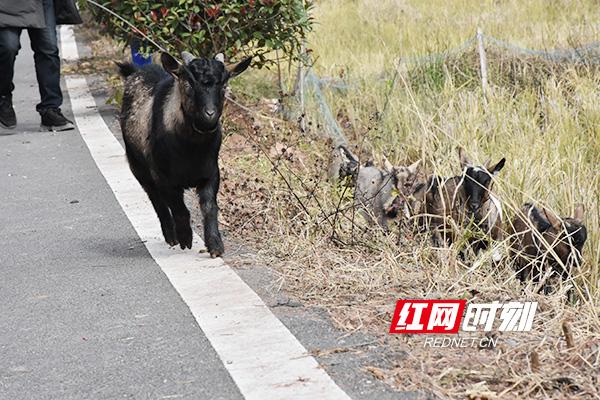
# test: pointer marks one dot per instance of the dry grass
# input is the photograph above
(358, 274)
(541, 116)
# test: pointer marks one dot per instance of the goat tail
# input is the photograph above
(126, 68)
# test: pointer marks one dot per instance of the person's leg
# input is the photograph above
(9, 47)
(47, 61)
(47, 69)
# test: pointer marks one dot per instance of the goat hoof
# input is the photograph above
(184, 236)
(171, 240)
(215, 246)
(169, 235)
(185, 244)
(216, 253)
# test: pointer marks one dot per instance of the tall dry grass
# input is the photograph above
(543, 117)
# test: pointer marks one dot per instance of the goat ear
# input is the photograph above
(220, 58)
(239, 67)
(579, 212)
(387, 165)
(414, 167)
(169, 63)
(496, 168)
(464, 158)
(555, 222)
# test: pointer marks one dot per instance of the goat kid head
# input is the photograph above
(201, 83)
(566, 235)
(477, 182)
(405, 180)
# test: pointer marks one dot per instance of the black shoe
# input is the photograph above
(53, 120)
(8, 119)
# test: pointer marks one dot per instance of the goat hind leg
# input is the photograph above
(163, 213)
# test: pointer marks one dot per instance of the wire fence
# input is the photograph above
(589, 54)
(586, 54)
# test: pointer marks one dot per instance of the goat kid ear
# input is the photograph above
(169, 63)
(464, 158)
(496, 168)
(414, 167)
(552, 219)
(239, 67)
(579, 212)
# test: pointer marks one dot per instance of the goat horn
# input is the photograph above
(220, 57)
(187, 57)
(387, 165)
(464, 158)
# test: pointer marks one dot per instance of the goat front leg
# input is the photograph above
(207, 196)
(181, 216)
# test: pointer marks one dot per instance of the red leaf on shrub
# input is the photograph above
(213, 11)
(153, 15)
(164, 11)
(251, 2)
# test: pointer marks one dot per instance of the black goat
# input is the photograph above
(464, 199)
(172, 133)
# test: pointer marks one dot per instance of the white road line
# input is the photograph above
(264, 359)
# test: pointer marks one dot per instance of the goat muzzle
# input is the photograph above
(203, 131)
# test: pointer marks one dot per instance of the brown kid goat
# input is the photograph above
(541, 242)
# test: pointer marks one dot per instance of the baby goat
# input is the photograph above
(172, 133)
(539, 240)
(463, 199)
(378, 192)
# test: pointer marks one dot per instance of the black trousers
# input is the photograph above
(47, 61)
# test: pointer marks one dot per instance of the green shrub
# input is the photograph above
(205, 28)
